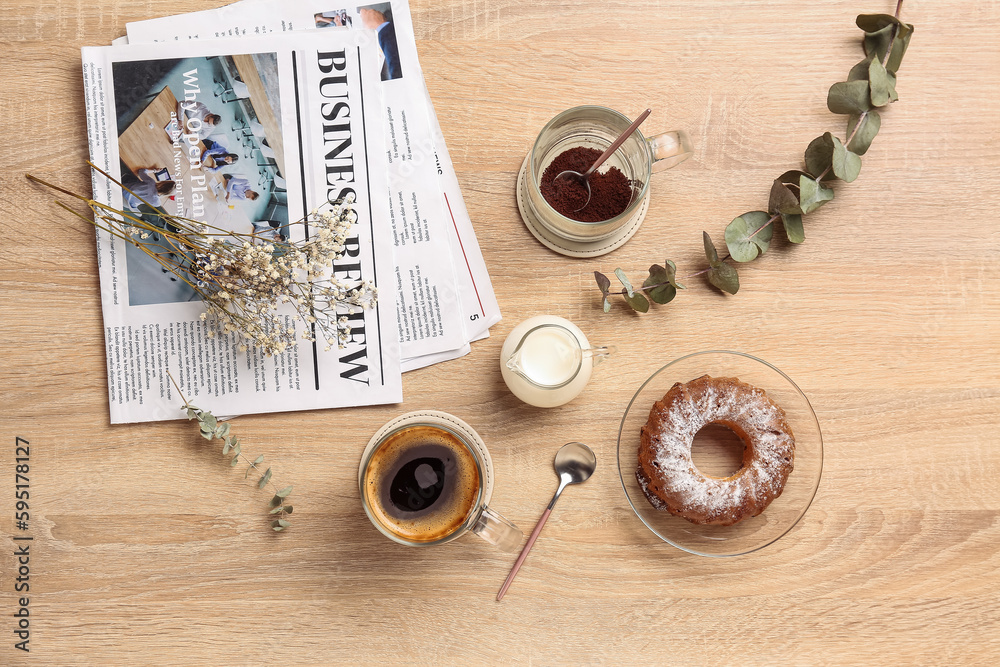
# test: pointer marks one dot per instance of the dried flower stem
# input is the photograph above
(242, 279)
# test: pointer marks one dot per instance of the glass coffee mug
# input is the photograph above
(425, 479)
(597, 127)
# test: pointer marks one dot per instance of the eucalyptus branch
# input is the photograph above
(211, 429)
(870, 85)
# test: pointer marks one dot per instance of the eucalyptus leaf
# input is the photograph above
(624, 281)
(846, 165)
(782, 199)
(861, 139)
(226, 447)
(638, 302)
(899, 46)
(207, 435)
(847, 97)
(192, 413)
(288, 509)
(209, 420)
(284, 493)
(672, 274)
(877, 40)
(237, 449)
(793, 227)
(819, 155)
(792, 176)
(860, 71)
(276, 526)
(748, 236)
(710, 252)
(277, 509)
(222, 431)
(264, 479)
(662, 294)
(657, 286)
(812, 194)
(603, 282)
(283, 523)
(880, 84)
(725, 277)
(875, 22)
(657, 275)
(258, 460)
(236, 460)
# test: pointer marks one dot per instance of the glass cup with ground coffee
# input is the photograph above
(574, 140)
(425, 479)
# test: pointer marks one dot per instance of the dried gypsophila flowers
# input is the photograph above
(253, 287)
(246, 284)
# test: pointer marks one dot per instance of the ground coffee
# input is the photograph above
(610, 192)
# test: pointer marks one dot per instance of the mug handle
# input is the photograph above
(669, 149)
(498, 531)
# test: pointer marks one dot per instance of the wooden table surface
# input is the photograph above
(149, 549)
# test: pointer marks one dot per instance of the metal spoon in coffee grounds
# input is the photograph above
(575, 463)
(584, 178)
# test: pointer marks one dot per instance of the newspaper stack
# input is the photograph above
(315, 101)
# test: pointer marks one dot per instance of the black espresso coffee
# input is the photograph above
(422, 483)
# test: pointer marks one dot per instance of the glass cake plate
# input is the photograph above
(783, 513)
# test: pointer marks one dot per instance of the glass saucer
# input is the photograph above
(783, 513)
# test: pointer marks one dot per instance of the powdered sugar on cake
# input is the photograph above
(668, 475)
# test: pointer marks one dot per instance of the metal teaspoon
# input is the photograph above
(574, 463)
(584, 178)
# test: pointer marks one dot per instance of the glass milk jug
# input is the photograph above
(546, 361)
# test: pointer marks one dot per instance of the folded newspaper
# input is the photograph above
(312, 116)
(321, 122)
(434, 243)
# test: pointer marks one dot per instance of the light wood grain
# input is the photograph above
(149, 550)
